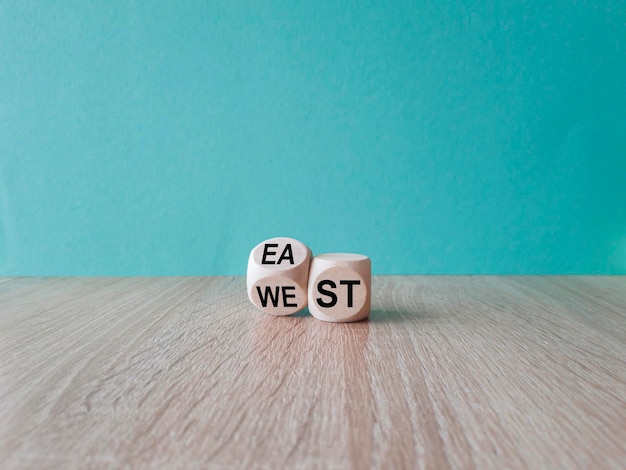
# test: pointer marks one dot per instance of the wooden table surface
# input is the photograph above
(462, 372)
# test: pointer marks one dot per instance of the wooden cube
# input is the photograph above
(340, 287)
(277, 277)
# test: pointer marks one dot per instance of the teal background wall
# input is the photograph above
(167, 138)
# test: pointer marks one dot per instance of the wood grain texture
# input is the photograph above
(460, 372)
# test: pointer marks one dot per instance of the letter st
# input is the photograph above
(321, 288)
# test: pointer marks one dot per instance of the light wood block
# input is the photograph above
(340, 286)
(277, 277)
(483, 372)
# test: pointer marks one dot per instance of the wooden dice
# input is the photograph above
(283, 279)
(278, 271)
(340, 287)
